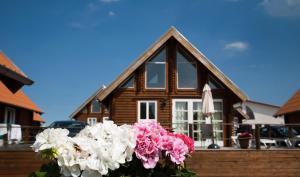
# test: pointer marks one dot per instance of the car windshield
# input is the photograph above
(67, 124)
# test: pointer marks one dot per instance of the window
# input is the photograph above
(213, 84)
(92, 120)
(186, 72)
(10, 115)
(128, 83)
(95, 107)
(147, 110)
(189, 111)
(156, 71)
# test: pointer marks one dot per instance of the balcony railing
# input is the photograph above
(224, 134)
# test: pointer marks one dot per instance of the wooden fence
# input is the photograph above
(217, 163)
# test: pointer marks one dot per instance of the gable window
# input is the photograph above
(95, 107)
(128, 83)
(156, 71)
(91, 120)
(213, 84)
(186, 72)
(147, 110)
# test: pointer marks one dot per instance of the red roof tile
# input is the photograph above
(292, 105)
(37, 117)
(18, 99)
(6, 62)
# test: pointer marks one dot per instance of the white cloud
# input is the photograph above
(77, 25)
(92, 7)
(236, 46)
(111, 13)
(109, 1)
(282, 8)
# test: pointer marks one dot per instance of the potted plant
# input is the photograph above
(244, 139)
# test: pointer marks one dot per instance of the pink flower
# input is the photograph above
(179, 151)
(188, 141)
(152, 140)
(148, 137)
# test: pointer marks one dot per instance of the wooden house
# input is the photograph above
(15, 106)
(291, 111)
(165, 84)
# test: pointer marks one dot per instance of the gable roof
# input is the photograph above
(9, 69)
(172, 32)
(86, 102)
(18, 99)
(292, 105)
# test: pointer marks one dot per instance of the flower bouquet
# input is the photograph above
(145, 149)
(244, 139)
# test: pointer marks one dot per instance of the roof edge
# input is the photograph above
(173, 32)
(86, 102)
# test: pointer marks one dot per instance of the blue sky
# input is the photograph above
(70, 48)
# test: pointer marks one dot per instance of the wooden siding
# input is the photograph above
(207, 163)
(229, 163)
(19, 163)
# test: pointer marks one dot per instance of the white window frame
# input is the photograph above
(195, 62)
(147, 109)
(89, 120)
(92, 111)
(13, 111)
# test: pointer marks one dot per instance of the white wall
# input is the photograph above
(263, 114)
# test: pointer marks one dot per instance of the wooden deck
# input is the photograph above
(208, 163)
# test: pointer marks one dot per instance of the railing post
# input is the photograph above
(257, 136)
(191, 130)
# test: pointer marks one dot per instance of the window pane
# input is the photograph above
(197, 106)
(143, 111)
(187, 72)
(160, 57)
(96, 106)
(128, 83)
(181, 116)
(151, 110)
(213, 83)
(218, 105)
(198, 116)
(181, 106)
(155, 75)
(218, 116)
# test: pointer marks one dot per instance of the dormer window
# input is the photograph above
(156, 71)
(95, 107)
(129, 83)
(186, 72)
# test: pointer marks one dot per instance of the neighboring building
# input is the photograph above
(259, 113)
(291, 110)
(165, 84)
(15, 106)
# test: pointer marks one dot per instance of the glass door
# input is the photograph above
(189, 120)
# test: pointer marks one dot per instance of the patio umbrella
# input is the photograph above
(208, 110)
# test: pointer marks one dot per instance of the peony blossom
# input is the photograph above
(153, 141)
(188, 141)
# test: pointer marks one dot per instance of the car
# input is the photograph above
(281, 135)
(74, 127)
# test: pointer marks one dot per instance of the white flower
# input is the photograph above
(50, 138)
(93, 151)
